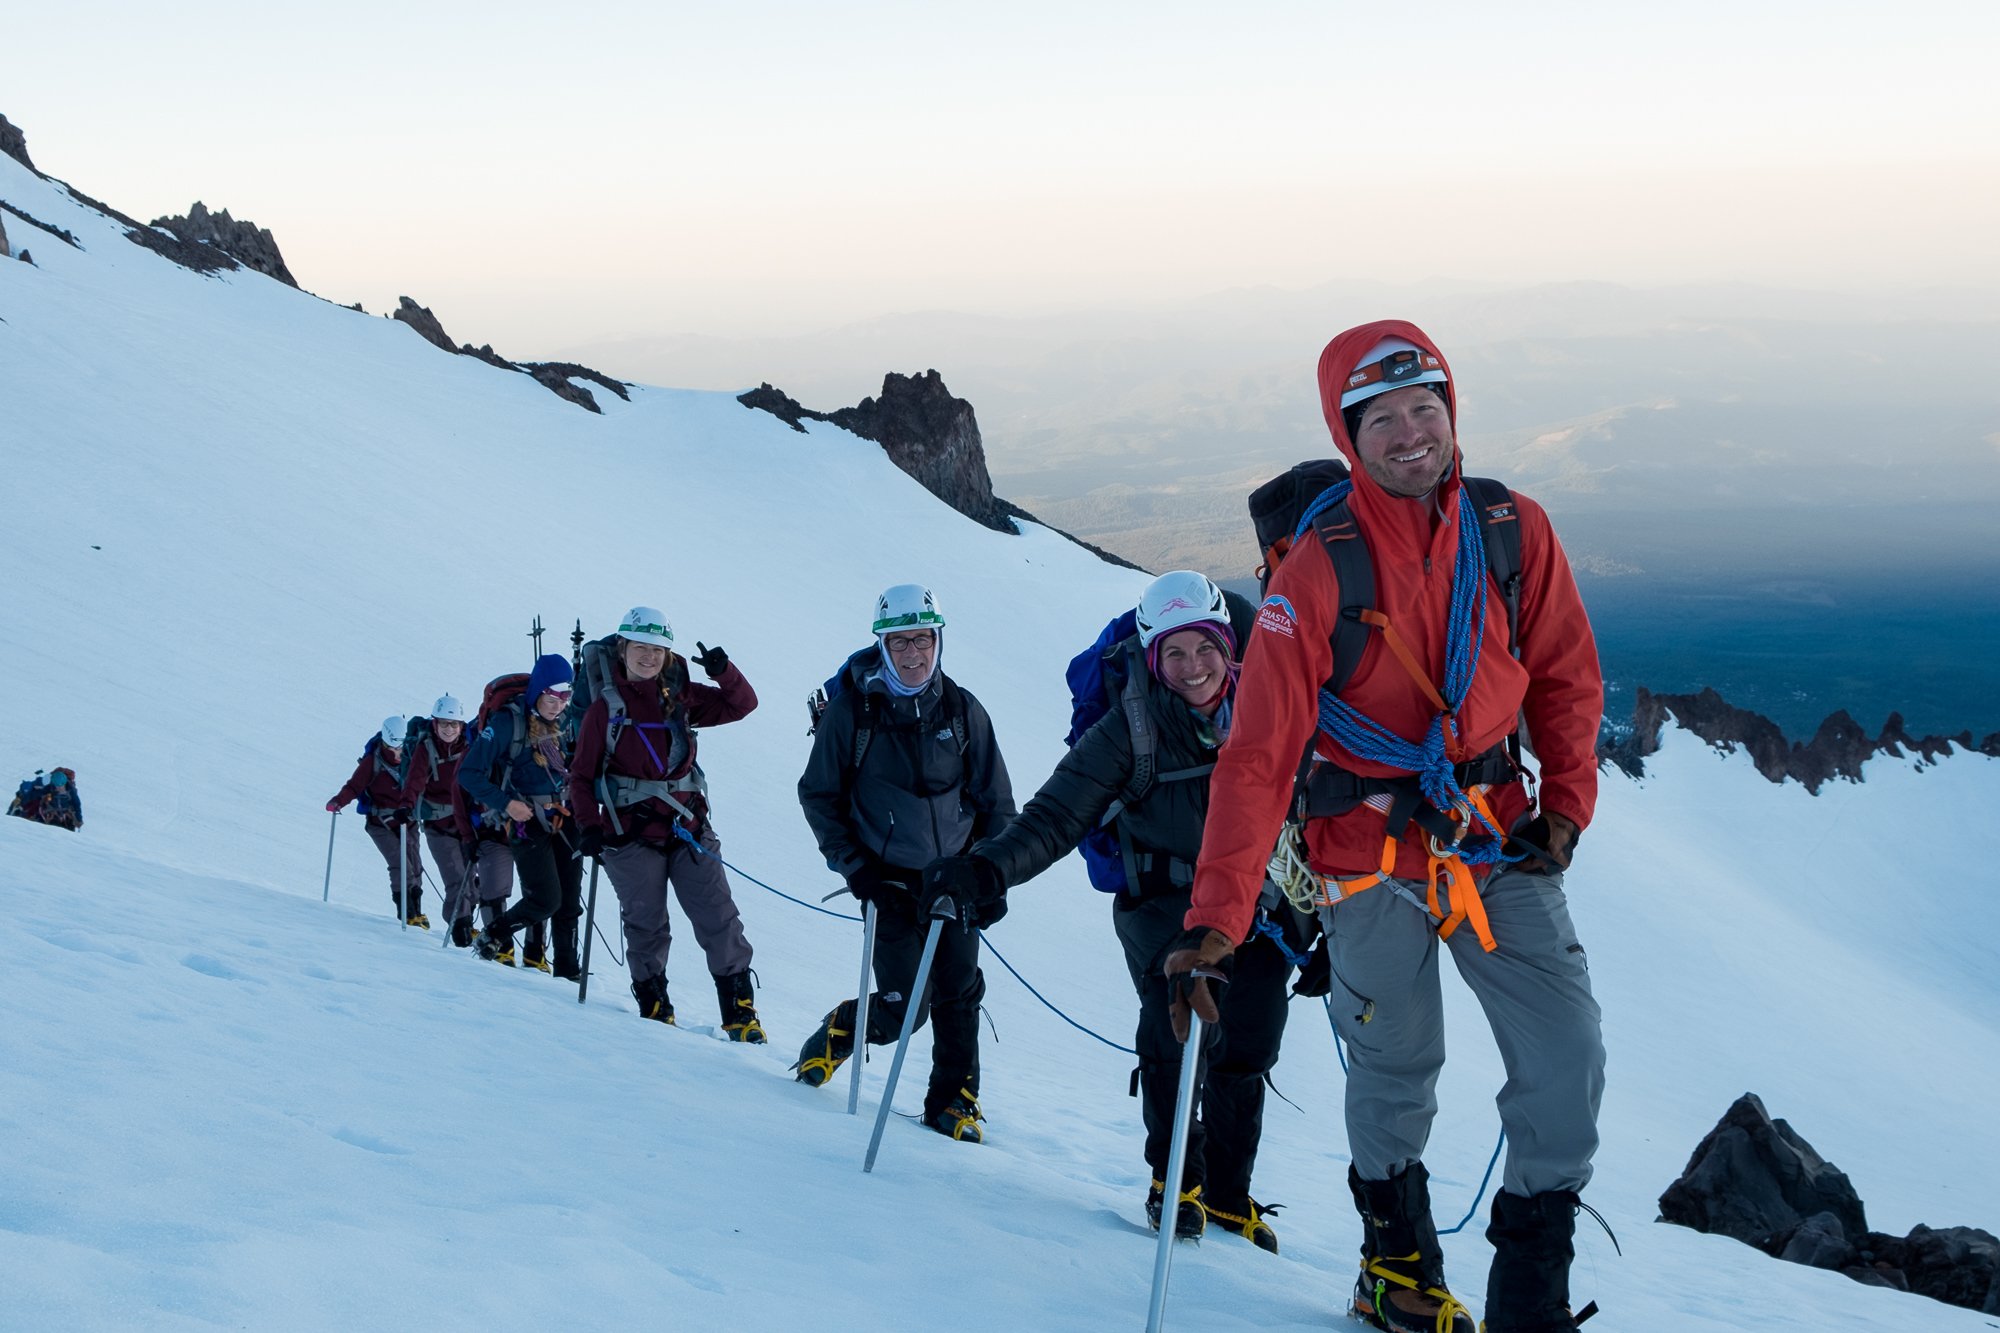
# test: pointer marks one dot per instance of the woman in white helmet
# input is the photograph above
(1143, 768)
(905, 769)
(642, 803)
(377, 783)
(437, 744)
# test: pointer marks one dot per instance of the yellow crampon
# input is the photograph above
(818, 1070)
(748, 1030)
(1449, 1308)
(1252, 1228)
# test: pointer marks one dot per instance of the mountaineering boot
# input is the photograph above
(653, 1002)
(461, 932)
(959, 1118)
(738, 1002)
(534, 949)
(827, 1049)
(568, 967)
(1527, 1290)
(1401, 1288)
(495, 946)
(1190, 1216)
(1246, 1221)
(419, 920)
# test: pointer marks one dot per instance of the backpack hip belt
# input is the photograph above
(617, 793)
(1441, 858)
(429, 813)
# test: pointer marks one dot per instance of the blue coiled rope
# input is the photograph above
(1465, 632)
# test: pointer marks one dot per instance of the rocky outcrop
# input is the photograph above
(1837, 750)
(424, 322)
(925, 431)
(555, 376)
(930, 435)
(248, 244)
(1755, 1179)
(15, 144)
(59, 233)
(5, 251)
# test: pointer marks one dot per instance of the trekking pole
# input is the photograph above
(860, 1055)
(1163, 1258)
(946, 910)
(589, 918)
(403, 876)
(326, 886)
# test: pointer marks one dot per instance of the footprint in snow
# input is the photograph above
(368, 1142)
(214, 967)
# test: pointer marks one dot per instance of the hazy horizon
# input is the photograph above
(543, 179)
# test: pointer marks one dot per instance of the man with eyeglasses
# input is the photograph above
(1421, 828)
(904, 770)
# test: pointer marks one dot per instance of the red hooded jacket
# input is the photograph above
(1413, 544)
(376, 784)
(432, 783)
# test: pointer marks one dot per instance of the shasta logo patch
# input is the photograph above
(1278, 616)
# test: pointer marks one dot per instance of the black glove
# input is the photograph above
(711, 660)
(1197, 969)
(1315, 974)
(867, 884)
(1549, 841)
(590, 842)
(966, 882)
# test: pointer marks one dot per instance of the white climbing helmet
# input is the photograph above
(1178, 599)
(907, 606)
(447, 709)
(645, 624)
(394, 728)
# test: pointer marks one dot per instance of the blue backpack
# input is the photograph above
(1092, 690)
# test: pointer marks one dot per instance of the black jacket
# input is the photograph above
(1163, 827)
(920, 793)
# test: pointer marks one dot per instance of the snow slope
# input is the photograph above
(227, 1105)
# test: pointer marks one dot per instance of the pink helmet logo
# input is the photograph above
(1177, 604)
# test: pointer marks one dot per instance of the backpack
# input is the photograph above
(500, 691)
(1277, 510)
(1108, 674)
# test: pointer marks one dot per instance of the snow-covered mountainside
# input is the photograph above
(243, 524)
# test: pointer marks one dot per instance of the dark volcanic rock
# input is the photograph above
(246, 242)
(1837, 749)
(424, 322)
(930, 435)
(58, 232)
(1756, 1180)
(5, 251)
(571, 370)
(15, 144)
(559, 384)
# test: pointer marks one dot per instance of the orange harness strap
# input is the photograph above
(1460, 882)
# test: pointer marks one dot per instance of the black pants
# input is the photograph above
(955, 990)
(1238, 1053)
(551, 881)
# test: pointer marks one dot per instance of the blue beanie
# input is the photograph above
(550, 669)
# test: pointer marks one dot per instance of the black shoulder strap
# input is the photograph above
(1354, 571)
(961, 724)
(1145, 736)
(1501, 521)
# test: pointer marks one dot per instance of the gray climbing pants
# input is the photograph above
(640, 874)
(1535, 991)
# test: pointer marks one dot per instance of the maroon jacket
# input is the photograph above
(376, 785)
(433, 765)
(646, 750)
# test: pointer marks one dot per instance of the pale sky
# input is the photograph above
(545, 175)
